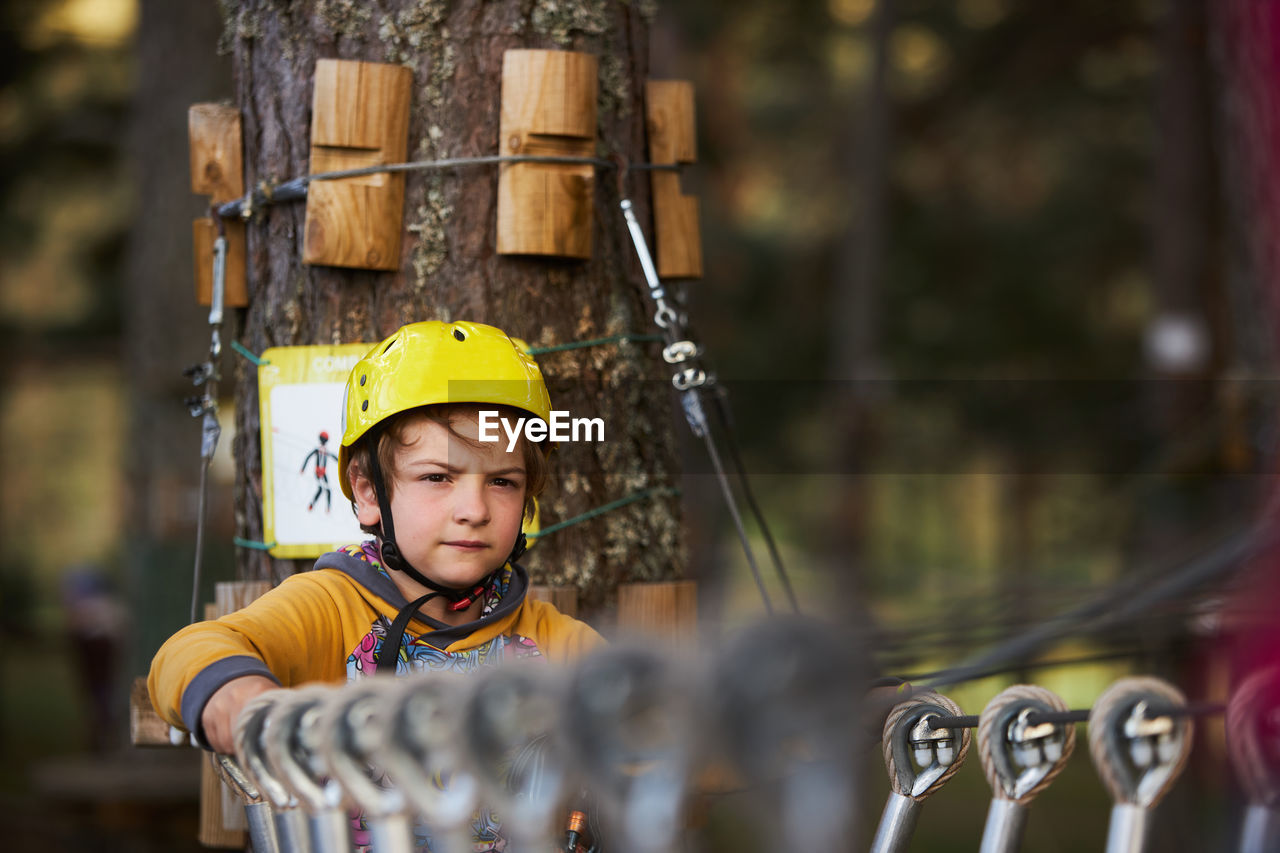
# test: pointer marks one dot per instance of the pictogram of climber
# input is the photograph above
(322, 457)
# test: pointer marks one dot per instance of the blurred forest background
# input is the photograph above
(986, 284)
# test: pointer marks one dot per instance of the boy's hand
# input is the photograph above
(224, 706)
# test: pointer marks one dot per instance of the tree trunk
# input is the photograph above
(165, 330)
(448, 267)
(856, 367)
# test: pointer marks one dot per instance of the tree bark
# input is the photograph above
(449, 269)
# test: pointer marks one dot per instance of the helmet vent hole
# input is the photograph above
(389, 345)
(364, 377)
(459, 334)
(364, 407)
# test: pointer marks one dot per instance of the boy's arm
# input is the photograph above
(218, 719)
(562, 638)
(291, 635)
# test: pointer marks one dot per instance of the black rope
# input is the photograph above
(1118, 604)
(732, 506)
(1020, 665)
(731, 444)
(970, 721)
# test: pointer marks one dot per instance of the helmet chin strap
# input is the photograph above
(393, 558)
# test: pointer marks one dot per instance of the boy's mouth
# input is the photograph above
(468, 544)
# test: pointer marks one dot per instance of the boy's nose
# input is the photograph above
(471, 506)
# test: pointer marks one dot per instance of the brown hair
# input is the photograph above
(391, 436)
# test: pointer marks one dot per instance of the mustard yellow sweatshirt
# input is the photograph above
(327, 625)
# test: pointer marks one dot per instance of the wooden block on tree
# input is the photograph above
(145, 726)
(217, 170)
(548, 109)
(217, 165)
(359, 118)
(221, 811)
(669, 116)
(235, 293)
(666, 609)
(232, 595)
(222, 823)
(562, 598)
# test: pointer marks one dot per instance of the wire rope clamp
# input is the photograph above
(1140, 747)
(919, 759)
(1021, 755)
(359, 119)
(669, 119)
(217, 171)
(549, 110)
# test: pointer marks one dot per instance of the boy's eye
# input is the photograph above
(435, 477)
(504, 482)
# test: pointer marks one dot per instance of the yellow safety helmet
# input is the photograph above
(426, 363)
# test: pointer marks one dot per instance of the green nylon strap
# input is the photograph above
(661, 491)
(255, 546)
(594, 342)
(244, 351)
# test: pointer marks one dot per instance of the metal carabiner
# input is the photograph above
(349, 730)
(289, 743)
(258, 815)
(292, 834)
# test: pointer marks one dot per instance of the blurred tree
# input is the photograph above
(164, 328)
(449, 269)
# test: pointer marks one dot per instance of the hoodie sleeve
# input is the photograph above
(292, 635)
(561, 638)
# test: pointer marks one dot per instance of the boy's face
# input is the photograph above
(457, 507)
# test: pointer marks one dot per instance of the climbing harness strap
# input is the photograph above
(389, 651)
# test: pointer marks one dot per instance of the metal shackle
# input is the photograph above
(1253, 745)
(1020, 757)
(512, 747)
(258, 816)
(349, 730)
(422, 756)
(630, 726)
(920, 760)
(291, 831)
(786, 700)
(1139, 753)
(291, 747)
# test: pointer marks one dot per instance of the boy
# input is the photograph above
(438, 588)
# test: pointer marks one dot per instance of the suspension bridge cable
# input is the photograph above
(1110, 607)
